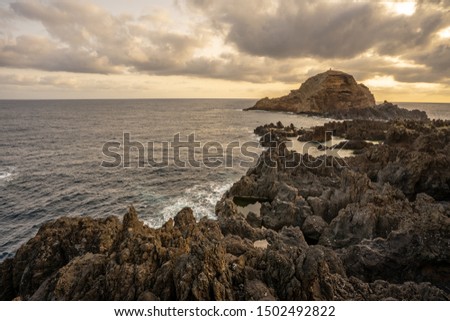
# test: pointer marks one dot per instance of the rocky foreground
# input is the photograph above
(375, 226)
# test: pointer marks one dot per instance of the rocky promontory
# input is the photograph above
(336, 94)
(325, 92)
(375, 226)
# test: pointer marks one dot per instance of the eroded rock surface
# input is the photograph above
(336, 94)
(375, 226)
(325, 92)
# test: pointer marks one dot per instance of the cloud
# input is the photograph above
(436, 62)
(442, 3)
(333, 30)
(44, 54)
(259, 41)
(107, 42)
(76, 23)
(6, 16)
(86, 39)
(34, 80)
(323, 29)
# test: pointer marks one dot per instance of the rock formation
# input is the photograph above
(384, 111)
(335, 94)
(325, 92)
(375, 226)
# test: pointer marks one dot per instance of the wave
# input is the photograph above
(7, 174)
(202, 198)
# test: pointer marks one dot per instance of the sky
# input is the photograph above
(56, 49)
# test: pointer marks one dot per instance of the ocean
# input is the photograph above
(69, 157)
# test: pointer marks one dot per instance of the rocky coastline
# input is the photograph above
(375, 226)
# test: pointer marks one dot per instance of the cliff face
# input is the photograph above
(326, 92)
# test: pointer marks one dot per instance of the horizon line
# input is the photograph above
(191, 98)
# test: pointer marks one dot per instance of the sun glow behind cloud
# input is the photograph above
(407, 8)
(444, 33)
(381, 82)
(387, 88)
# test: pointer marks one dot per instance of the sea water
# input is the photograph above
(52, 153)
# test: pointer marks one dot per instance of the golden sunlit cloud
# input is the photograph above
(381, 82)
(187, 48)
(387, 88)
(406, 8)
(444, 33)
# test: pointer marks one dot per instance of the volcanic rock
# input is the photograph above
(325, 92)
(335, 94)
(375, 226)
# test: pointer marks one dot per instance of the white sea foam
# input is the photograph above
(6, 174)
(201, 198)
